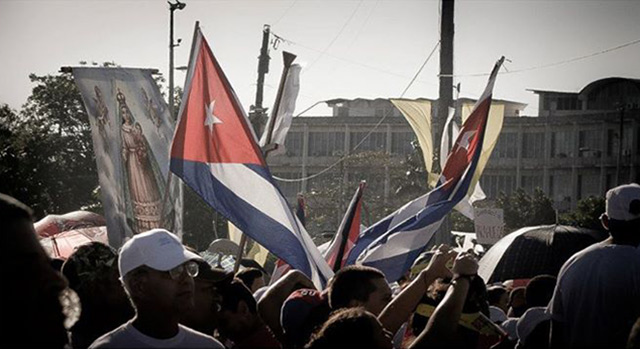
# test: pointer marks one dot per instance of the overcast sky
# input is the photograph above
(368, 49)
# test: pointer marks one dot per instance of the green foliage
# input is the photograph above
(329, 194)
(523, 210)
(47, 156)
(415, 177)
(201, 224)
(461, 223)
(587, 214)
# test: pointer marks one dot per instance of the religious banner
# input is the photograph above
(131, 129)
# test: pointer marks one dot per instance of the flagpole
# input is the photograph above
(287, 59)
(346, 223)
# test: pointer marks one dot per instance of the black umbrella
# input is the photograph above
(533, 251)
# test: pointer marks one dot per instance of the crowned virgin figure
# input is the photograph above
(143, 183)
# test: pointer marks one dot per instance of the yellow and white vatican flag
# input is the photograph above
(256, 251)
(418, 114)
(494, 127)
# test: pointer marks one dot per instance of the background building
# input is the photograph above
(571, 150)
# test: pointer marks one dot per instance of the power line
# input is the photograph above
(336, 37)
(420, 70)
(554, 64)
(286, 12)
(344, 157)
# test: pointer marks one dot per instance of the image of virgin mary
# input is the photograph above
(143, 182)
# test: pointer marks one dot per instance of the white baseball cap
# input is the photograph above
(623, 202)
(158, 249)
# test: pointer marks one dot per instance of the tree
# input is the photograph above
(329, 194)
(47, 155)
(587, 214)
(523, 210)
(47, 159)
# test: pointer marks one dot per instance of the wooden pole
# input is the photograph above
(287, 59)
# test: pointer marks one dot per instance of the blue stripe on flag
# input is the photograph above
(268, 232)
(436, 209)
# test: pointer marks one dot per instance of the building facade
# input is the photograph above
(571, 150)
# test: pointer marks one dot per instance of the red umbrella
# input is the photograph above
(63, 244)
(56, 224)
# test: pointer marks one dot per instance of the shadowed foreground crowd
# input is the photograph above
(155, 292)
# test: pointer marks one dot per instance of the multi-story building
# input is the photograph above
(571, 150)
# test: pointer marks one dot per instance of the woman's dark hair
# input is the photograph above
(234, 292)
(494, 294)
(346, 328)
(249, 275)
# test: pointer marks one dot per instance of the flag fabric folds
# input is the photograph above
(215, 152)
(347, 234)
(256, 252)
(465, 206)
(418, 114)
(393, 243)
(284, 115)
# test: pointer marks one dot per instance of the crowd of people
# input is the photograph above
(157, 293)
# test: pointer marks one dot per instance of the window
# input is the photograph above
(293, 143)
(326, 143)
(493, 185)
(530, 183)
(568, 103)
(506, 147)
(613, 142)
(533, 145)
(589, 143)
(588, 185)
(377, 141)
(561, 144)
(343, 111)
(401, 143)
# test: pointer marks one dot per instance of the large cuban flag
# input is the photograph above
(215, 152)
(393, 243)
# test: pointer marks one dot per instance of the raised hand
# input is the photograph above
(438, 265)
(465, 264)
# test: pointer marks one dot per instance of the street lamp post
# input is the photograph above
(172, 7)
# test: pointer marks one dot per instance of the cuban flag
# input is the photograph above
(393, 244)
(347, 234)
(215, 152)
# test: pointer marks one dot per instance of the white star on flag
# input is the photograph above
(464, 142)
(211, 119)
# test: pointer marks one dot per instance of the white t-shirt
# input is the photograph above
(596, 298)
(127, 336)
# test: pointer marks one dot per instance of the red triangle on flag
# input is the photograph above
(213, 127)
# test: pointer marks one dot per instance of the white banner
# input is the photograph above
(132, 130)
(489, 225)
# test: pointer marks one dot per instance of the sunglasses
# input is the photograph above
(190, 268)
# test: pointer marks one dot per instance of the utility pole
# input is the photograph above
(445, 99)
(172, 8)
(257, 111)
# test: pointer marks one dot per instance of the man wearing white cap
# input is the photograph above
(596, 302)
(157, 272)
